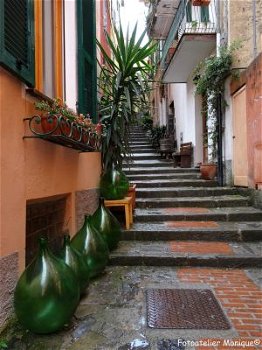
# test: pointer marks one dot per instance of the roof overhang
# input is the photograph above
(191, 49)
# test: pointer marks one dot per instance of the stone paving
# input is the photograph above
(112, 316)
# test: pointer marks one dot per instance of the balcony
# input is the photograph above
(160, 18)
(191, 38)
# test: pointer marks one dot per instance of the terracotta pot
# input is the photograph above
(200, 2)
(208, 171)
(49, 124)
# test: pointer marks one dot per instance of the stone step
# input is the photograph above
(151, 163)
(156, 184)
(187, 189)
(163, 177)
(140, 142)
(197, 230)
(157, 170)
(146, 150)
(190, 253)
(145, 156)
(187, 202)
(199, 213)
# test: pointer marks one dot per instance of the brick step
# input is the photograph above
(186, 189)
(160, 177)
(190, 253)
(194, 231)
(157, 170)
(155, 184)
(204, 202)
(200, 213)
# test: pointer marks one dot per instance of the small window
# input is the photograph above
(49, 29)
(17, 38)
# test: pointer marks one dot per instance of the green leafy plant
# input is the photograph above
(123, 84)
(209, 77)
(3, 344)
(210, 74)
(158, 132)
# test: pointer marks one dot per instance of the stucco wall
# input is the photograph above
(33, 169)
(243, 26)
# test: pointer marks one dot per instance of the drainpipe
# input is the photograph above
(219, 126)
(220, 173)
(254, 20)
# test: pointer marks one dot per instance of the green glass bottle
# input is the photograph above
(74, 260)
(46, 294)
(107, 225)
(90, 244)
(114, 184)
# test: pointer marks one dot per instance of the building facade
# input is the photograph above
(187, 32)
(46, 188)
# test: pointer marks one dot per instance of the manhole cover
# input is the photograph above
(184, 309)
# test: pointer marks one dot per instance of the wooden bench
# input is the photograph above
(183, 158)
(128, 206)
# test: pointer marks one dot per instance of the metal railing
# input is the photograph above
(189, 19)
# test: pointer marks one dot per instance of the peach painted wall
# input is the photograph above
(33, 168)
(254, 122)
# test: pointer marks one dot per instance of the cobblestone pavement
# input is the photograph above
(113, 315)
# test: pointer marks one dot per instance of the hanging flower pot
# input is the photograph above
(50, 124)
(114, 184)
(92, 247)
(74, 260)
(47, 293)
(107, 225)
(200, 2)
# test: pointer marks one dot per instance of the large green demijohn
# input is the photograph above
(93, 248)
(114, 184)
(77, 263)
(107, 225)
(47, 293)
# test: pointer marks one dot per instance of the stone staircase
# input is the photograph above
(182, 220)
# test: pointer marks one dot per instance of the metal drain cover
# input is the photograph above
(184, 309)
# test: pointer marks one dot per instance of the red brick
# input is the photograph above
(192, 224)
(201, 247)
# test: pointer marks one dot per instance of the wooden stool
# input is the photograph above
(132, 193)
(127, 204)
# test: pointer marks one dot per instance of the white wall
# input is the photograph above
(70, 45)
(188, 117)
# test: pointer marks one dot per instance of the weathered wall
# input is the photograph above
(252, 78)
(245, 27)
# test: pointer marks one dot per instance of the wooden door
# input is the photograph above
(240, 167)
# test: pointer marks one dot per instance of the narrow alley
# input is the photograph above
(188, 235)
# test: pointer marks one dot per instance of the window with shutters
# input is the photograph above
(17, 38)
(49, 47)
(204, 13)
(86, 57)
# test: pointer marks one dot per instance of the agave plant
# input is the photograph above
(123, 85)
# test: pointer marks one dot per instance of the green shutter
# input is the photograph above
(87, 79)
(17, 38)
(204, 13)
(189, 12)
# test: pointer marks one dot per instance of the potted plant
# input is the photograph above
(200, 2)
(58, 119)
(209, 78)
(123, 87)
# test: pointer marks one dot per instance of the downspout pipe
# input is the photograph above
(219, 117)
